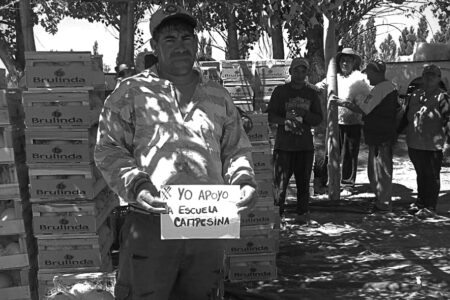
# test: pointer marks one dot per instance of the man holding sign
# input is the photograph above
(163, 129)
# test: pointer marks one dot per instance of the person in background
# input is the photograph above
(123, 71)
(427, 118)
(164, 126)
(352, 86)
(379, 110)
(150, 60)
(294, 107)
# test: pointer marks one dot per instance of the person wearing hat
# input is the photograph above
(427, 127)
(294, 107)
(352, 86)
(165, 126)
(379, 112)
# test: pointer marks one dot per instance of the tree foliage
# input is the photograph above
(388, 49)
(48, 14)
(362, 38)
(215, 16)
(370, 36)
(407, 41)
(443, 34)
(422, 30)
(204, 49)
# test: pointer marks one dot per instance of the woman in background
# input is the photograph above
(427, 127)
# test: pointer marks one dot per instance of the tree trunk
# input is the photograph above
(123, 32)
(129, 52)
(27, 25)
(19, 59)
(277, 36)
(232, 39)
(334, 170)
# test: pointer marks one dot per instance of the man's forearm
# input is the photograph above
(350, 105)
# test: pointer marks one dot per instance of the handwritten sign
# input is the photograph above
(200, 212)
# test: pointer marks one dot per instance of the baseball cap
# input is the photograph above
(431, 69)
(170, 11)
(299, 62)
(376, 65)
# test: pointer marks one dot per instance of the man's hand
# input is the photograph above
(335, 100)
(150, 203)
(248, 198)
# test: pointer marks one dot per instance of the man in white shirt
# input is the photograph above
(379, 110)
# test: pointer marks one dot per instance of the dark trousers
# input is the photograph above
(428, 168)
(349, 139)
(151, 268)
(286, 164)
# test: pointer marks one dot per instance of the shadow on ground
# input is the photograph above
(356, 255)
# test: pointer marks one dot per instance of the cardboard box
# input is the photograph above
(11, 108)
(21, 285)
(17, 260)
(64, 182)
(62, 69)
(258, 133)
(9, 184)
(265, 92)
(62, 107)
(259, 118)
(239, 71)
(245, 105)
(68, 219)
(6, 144)
(254, 240)
(46, 287)
(15, 225)
(262, 162)
(276, 69)
(69, 253)
(263, 176)
(264, 191)
(253, 267)
(262, 147)
(240, 92)
(60, 146)
(259, 216)
(210, 73)
(64, 218)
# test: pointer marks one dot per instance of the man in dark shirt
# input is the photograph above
(379, 112)
(294, 107)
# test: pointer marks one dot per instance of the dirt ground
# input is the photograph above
(355, 255)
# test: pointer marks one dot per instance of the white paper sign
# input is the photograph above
(200, 212)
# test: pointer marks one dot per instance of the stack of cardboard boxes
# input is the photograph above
(268, 75)
(70, 201)
(251, 83)
(16, 270)
(238, 78)
(253, 256)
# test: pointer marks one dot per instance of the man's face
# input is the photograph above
(298, 74)
(431, 80)
(176, 49)
(347, 62)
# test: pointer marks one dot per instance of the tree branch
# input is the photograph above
(6, 57)
(9, 4)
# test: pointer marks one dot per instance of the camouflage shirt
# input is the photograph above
(143, 137)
